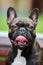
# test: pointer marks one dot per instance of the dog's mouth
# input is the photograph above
(21, 41)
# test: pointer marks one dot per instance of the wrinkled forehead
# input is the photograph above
(22, 20)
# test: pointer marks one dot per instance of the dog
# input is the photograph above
(24, 49)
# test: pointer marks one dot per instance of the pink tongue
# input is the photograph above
(21, 39)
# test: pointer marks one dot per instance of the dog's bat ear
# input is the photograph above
(34, 16)
(11, 14)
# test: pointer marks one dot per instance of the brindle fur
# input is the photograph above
(35, 58)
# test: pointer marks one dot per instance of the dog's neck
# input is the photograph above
(19, 60)
(26, 52)
(21, 57)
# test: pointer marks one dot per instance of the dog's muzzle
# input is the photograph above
(21, 37)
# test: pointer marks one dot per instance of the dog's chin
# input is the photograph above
(21, 42)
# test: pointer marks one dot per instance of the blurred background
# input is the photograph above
(23, 7)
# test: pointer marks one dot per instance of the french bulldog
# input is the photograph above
(24, 49)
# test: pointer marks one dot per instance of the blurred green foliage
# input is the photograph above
(39, 27)
(2, 58)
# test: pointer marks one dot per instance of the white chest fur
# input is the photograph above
(19, 60)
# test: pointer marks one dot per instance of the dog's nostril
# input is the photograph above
(21, 32)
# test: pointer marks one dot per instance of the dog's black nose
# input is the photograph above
(22, 30)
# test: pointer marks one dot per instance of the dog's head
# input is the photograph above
(22, 30)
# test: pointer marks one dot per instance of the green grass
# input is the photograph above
(4, 27)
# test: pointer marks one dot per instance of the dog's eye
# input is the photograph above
(14, 27)
(31, 27)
